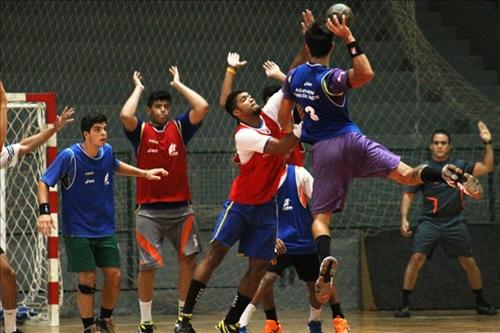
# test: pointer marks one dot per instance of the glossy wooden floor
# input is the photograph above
(294, 322)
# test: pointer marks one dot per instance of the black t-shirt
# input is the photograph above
(439, 199)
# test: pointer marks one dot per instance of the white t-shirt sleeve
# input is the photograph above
(9, 156)
(249, 141)
(273, 104)
(304, 181)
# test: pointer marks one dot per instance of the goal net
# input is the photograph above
(26, 249)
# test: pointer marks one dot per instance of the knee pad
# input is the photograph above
(86, 289)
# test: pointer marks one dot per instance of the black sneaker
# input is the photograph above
(223, 327)
(105, 325)
(402, 312)
(91, 329)
(486, 309)
(183, 325)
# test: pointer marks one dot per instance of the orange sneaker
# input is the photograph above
(341, 325)
(272, 326)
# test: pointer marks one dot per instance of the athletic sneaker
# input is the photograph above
(243, 329)
(146, 327)
(465, 182)
(272, 326)
(314, 326)
(323, 287)
(183, 324)
(402, 312)
(91, 329)
(227, 328)
(105, 325)
(486, 309)
(341, 325)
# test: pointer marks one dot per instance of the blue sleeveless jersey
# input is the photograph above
(295, 220)
(87, 190)
(323, 94)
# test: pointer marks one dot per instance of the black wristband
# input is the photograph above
(44, 209)
(354, 49)
(488, 142)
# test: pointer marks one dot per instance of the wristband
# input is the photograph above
(354, 49)
(231, 69)
(44, 209)
(488, 142)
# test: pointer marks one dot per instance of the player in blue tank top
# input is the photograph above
(88, 222)
(340, 151)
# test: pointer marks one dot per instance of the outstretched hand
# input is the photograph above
(155, 174)
(176, 78)
(233, 60)
(64, 118)
(307, 20)
(484, 132)
(137, 78)
(273, 71)
(339, 29)
(45, 224)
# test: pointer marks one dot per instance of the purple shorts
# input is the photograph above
(338, 160)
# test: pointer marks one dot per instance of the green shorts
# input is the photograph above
(85, 254)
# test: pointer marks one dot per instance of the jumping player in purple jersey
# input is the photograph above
(340, 151)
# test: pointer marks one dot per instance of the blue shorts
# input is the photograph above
(254, 226)
(339, 160)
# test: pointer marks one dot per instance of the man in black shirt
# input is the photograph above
(442, 220)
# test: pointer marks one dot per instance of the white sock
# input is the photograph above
(181, 305)
(9, 317)
(314, 314)
(145, 311)
(247, 315)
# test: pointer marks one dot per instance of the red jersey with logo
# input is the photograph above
(259, 176)
(163, 149)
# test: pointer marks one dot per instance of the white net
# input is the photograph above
(89, 53)
(23, 245)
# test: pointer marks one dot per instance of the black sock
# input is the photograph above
(336, 310)
(431, 175)
(106, 313)
(87, 322)
(406, 297)
(323, 246)
(195, 289)
(239, 304)
(479, 296)
(271, 314)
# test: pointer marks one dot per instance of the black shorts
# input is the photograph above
(1, 251)
(453, 235)
(306, 266)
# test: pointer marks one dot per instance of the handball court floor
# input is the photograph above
(294, 322)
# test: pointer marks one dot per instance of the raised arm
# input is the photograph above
(199, 105)
(125, 169)
(129, 109)
(273, 71)
(486, 164)
(31, 143)
(3, 115)
(233, 64)
(361, 72)
(406, 201)
(302, 56)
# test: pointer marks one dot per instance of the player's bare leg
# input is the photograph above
(8, 291)
(187, 265)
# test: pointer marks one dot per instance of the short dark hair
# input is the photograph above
(319, 39)
(268, 91)
(90, 119)
(231, 101)
(441, 131)
(160, 95)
